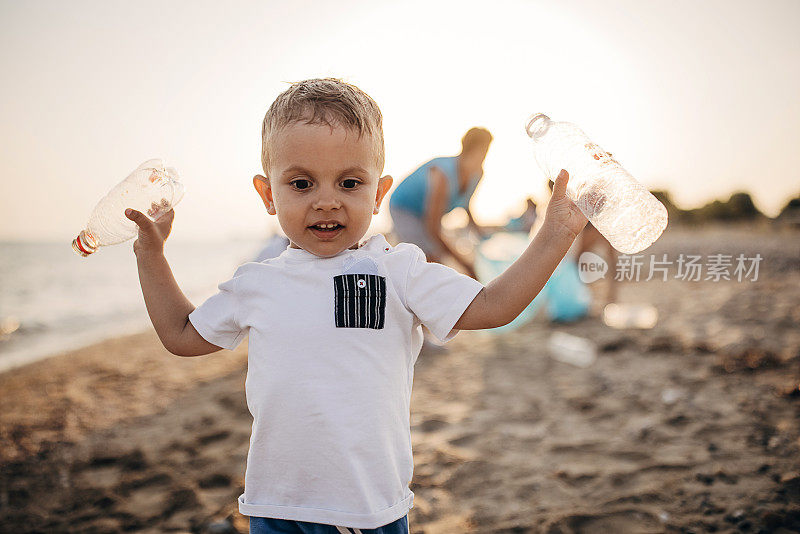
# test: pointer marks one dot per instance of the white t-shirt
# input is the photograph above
(333, 343)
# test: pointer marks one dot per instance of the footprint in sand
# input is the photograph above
(628, 521)
(656, 472)
(211, 437)
(102, 476)
(129, 461)
(135, 483)
(154, 496)
(587, 447)
(216, 480)
(630, 456)
(106, 471)
(465, 440)
(431, 425)
(233, 402)
(576, 479)
(635, 498)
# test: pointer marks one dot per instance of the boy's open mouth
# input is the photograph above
(326, 230)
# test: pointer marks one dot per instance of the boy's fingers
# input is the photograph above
(138, 217)
(560, 185)
(166, 217)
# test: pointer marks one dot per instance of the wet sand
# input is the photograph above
(689, 427)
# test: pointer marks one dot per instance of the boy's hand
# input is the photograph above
(151, 234)
(504, 298)
(562, 213)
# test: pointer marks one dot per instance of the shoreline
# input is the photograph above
(16, 358)
(47, 311)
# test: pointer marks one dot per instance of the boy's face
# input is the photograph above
(321, 177)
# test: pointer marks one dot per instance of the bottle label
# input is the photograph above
(157, 178)
(600, 155)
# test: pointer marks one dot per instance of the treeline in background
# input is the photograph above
(738, 208)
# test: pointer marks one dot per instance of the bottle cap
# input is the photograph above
(84, 244)
(537, 125)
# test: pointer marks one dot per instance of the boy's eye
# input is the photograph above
(350, 183)
(301, 183)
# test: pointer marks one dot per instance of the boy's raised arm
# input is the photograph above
(167, 306)
(506, 296)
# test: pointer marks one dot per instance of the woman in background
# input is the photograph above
(435, 189)
(591, 240)
(524, 222)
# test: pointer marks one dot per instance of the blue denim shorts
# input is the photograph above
(268, 525)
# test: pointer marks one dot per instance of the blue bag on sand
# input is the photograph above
(564, 296)
(568, 298)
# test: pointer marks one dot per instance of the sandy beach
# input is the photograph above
(691, 426)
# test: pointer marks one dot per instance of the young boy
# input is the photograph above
(335, 325)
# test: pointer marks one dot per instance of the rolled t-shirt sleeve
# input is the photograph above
(216, 318)
(437, 294)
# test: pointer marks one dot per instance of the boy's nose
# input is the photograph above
(326, 201)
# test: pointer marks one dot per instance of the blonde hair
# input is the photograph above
(474, 138)
(326, 101)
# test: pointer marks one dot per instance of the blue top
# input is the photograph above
(412, 193)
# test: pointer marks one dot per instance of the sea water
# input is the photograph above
(52, 300)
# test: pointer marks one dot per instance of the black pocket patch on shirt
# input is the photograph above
(360, 300)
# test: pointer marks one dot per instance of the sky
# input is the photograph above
(699, 98)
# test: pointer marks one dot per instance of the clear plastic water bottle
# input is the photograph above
(570, 349)
(152, 189)
(621, 208)
(643, 316)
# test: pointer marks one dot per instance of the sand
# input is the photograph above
(689, 427)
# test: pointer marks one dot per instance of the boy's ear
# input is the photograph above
(264, 190)
(384, 184)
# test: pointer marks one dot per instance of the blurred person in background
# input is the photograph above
(524, 222)
(435, 189)
(591, 240)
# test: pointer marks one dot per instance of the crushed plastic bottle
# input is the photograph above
(621, 208)
(672, 395)
(642, 316)
(570, 349)
(152, 189)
